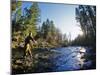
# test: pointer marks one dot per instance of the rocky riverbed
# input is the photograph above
(53, 60)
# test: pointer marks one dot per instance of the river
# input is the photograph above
(57, 59)
(69, 59)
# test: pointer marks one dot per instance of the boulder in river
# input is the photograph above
(82, 50)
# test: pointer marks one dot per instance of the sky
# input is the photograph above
(63, 16)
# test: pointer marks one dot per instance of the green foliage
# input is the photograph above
(22, 24)
(25, 22)
(46, 35)
(31, 19)
(50, 35)
(15, 4)
(86, 16)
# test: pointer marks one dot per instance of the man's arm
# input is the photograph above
(34, 41)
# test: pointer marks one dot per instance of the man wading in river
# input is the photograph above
(29, 41)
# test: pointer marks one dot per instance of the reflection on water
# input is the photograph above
(54, 60)
(69, 58)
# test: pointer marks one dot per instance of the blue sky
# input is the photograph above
(63, 16)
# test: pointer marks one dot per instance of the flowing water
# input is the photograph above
(70, 58)
(58, 59)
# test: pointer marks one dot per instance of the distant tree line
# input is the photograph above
(51, 35)
(27, 19)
